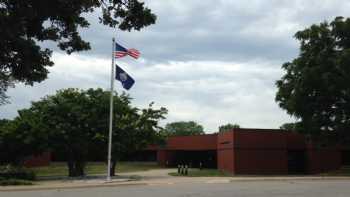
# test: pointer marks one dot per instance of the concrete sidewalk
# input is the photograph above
(154, 177)
(151, 174)
(123, 179)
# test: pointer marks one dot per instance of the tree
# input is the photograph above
(228, 127)
(315, 88)
(183, 128)
(68, 118)
(5, 83)
(21, 138)
(76, 123)
(30, 22)
(292, 127)
(3, 122)
(133, 131)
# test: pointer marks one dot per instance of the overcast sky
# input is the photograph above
(213, 62)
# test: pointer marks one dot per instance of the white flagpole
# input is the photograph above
(111, 115)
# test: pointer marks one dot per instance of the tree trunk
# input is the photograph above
(71, 171)
(79, 168)
(113, 165)
(76, 168)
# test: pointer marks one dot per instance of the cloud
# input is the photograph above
(224, 30)
(210, 92)
(212, 62)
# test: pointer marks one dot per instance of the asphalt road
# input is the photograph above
(322, 188)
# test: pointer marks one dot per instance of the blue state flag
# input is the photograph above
(124, 78)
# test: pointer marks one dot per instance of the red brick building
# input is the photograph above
(38, 160)
(240, 151)
(250, 151)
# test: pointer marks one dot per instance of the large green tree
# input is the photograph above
(183, 128)
(316, 85)
(76, 123)
(26, 23)
(71, 123)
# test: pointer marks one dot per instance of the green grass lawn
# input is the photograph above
(343, 171)
(202, 173)
(93, 168)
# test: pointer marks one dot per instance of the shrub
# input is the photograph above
(17, 173)
(6, 182)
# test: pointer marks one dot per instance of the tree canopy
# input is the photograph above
(183, 128)
(228, 127)
(75, 123)
(292, 127)
(25, 24)
(315, 87)
(21, 138)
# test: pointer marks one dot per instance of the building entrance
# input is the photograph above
(208, 159)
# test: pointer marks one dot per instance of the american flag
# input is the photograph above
(120, 51)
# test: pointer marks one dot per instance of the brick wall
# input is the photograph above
(196, 142)
(225, 153)
(260, 151)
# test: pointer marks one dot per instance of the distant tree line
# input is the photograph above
(187, 128)
(228, 127)
(183, 128)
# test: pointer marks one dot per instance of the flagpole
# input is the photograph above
(111, 116)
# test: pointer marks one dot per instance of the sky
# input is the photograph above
(213, 62)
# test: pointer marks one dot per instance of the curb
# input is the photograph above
(291, 179)
(37, 188)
